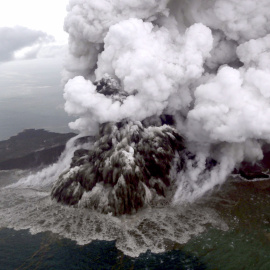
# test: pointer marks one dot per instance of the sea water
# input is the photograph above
(227, 229)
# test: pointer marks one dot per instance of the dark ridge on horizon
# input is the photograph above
(32, 148)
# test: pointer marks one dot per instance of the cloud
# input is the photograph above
(239, 20)
(88, 23)
(16, 39)
(155, 77)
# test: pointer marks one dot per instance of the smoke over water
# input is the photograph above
(178, 87)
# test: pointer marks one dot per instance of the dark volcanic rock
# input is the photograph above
(32, 148)
(128, 166)
(256, 174)
(109, 86)
(258, 170)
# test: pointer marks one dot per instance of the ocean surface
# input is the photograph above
(227, 229)
(21, 250)
(31, 96)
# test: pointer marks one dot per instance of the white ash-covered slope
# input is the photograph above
(127, 167)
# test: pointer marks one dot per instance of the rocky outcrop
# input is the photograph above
(256, 174)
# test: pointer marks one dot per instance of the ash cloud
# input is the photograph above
(239, 21)
(205, 63)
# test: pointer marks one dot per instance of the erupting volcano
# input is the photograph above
(174, 93)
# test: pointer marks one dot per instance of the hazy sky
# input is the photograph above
(44, 15)
(32, 48)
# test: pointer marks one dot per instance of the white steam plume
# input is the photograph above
(89, 21)
(204, 61)
(238, 20)
(150, 61)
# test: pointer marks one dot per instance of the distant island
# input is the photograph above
(32, 148)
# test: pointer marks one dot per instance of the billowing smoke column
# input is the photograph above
(203, 63)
